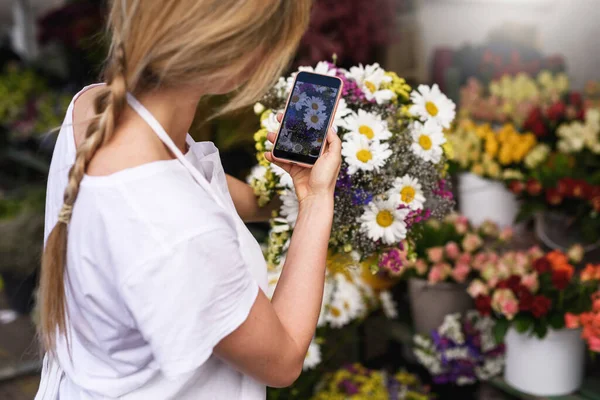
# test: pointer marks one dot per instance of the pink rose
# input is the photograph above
(421, 267)
(477, 288)
(465, 258)
(452, 250)
(594, 343)
(502, 270)
(461, 225)
(505, 303)
(438, 273)
(479, 260)
(488, 272)
(521, 264)
(461, 272)
(471, 242)
(535, 252)
(435, 254)
(575, 253)
(571, 321)
(530, 281)
(506, 234)
(489, 228)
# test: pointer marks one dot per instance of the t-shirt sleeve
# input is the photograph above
(188, 299)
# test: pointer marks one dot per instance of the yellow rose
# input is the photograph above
(493, 169)
(477, 169)
(491, 145)
(505, 157)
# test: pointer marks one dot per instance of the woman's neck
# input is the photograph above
(174, 109)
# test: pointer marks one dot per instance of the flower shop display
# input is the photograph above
(461, 352)
(393, 175)
(589, 322)
(446, 254)
(488, 156)
(357, 382)
(529, 294)
(515, 98)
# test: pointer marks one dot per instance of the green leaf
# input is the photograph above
(556, 321)
(500, 330)
(540, 328)
(522, 323)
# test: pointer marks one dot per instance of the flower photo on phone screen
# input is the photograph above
(307, 118)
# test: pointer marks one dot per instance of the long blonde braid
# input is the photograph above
(108, 105)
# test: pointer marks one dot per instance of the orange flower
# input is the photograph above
(561, 275)
(557, 258)
(590, 273)
(571, 321)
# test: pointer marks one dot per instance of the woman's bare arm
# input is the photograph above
(246, 203)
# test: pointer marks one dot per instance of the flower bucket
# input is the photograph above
(429, 304)
(482, 199)
(552, 366)
(557, 232)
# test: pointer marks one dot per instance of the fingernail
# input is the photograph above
(334, 128)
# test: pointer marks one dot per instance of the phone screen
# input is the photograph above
(307, 116)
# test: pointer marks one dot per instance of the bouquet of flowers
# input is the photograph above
(446, 250)
(532, 291)
(393, 175)
(514, 98)
(357, 382)
(589, 321)
(347, 297)
(462, 351)
(492, 153)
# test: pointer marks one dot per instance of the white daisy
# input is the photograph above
(284, 86)
(317, 143)
(388, 304)
(362, 154)
(314, 119)
(297, 100)
(341, 112)
(346, 303)
(428, 139)
(289, 206)
(327, 295)
(270, 123)
(370, 80)
(256, 173)
(431, 103)
(408, 191)
(313, 356)
(284, 140)
(383, 220)
(322, 67)
(285, 179)
(370, 125)
(314, 104)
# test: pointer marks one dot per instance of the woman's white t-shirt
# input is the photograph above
(157, 274)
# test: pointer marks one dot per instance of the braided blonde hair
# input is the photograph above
(171, 43)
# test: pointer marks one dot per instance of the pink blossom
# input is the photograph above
(506, 234)
(531, 282)
(461, 225)
(438, 273)
(477, 288)
(572, 321)
(465, 258)
(521, 264)
(576, 253)
(452, 250)
(505, 302)
(461, 272)
(594, 343)
(489, 272)
(489, 228)
(421, 266)
(479, 260)
(503, 269)
(471, 242)
(535, 252)
(435, 254)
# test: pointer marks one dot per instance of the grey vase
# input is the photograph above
(429, 304)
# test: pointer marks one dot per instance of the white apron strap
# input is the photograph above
(166, 139)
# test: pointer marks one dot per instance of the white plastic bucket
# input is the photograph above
(482, 199)
(552, 366)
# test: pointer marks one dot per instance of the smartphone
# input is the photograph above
(308, 115)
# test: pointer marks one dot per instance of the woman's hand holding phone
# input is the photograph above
(321, 178)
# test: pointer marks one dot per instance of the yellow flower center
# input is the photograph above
(295, 98)
(384, 218)
(431, 108)
(367, 131)
(315, 106)
(407, 194)
(370, 86)
(364, 155)
(346, 305)
(314, 119)
(425, 142)
(335, 311)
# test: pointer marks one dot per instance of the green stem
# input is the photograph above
(561, 299)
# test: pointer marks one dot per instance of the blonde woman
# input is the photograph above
(152, 287)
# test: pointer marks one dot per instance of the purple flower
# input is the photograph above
(361, 197)
(348, 387)
(442, 190)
